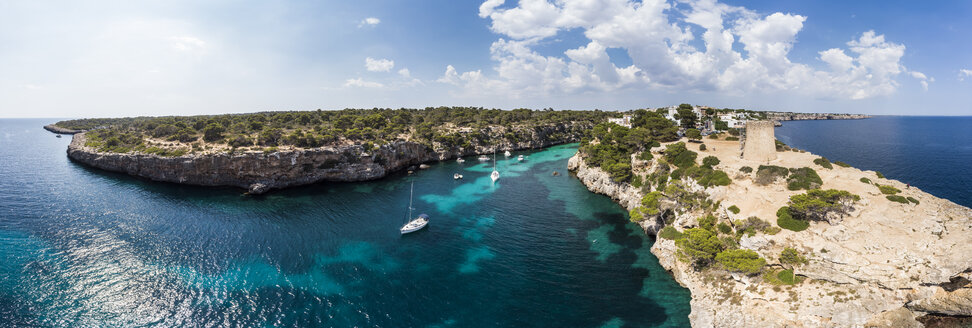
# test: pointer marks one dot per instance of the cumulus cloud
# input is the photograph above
(379, 65)
(361, 83)
(964, 73)
(660, 38)
(370, 21)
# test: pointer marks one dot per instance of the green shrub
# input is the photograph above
(785, 220)
(636, 181)
(645, 156)
(702, 147)
(678, 155)
(866, 180)
(753, 224)
(707, 222)
(636, 215)
(817, 204)
(710, 161)
(734, 209)
(803, 178)
(786, 277)
(913, 200)
(724, 228)
(650, 202)
(767, 174)
(842, 164)
(897, 198)
(699, 245)
(888, 190)
(693, 134)
(731, 138)
(668, 232)
(714, 178)
(714, 136)
(791, 256)
(741, 260)
(879, 175)
(746, 169)
(822, 161)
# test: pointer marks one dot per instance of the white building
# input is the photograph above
(624, 121)
(732, 120)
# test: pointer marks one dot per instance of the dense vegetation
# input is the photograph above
(442, 125)
(611, 146)
(823, 161)
(821, 205)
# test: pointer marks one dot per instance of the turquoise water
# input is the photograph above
(83, 247)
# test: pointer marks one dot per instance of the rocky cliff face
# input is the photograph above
(259, 172)
(885, 265)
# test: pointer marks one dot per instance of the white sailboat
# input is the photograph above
(483, 158)
(415, 224)
(460, 160)
(507, 153)
(519, 158)
(495, 174)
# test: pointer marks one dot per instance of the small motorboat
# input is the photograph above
(483, 158)
(460, 160)
(507, 153)
(457, 176)
(519, 158)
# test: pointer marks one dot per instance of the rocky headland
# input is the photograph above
(886, 264)
(59, 130)
(261, 171)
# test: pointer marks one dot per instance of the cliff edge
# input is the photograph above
(259, 171)
(886, 264)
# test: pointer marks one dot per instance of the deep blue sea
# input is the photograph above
(933, 153)
(82, 247)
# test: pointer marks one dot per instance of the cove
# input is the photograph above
(93, 248)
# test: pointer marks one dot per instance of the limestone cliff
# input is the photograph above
(885, 265)
(259, 172)
(60, 130)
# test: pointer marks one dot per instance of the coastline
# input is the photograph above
(259, 172)
(59, 130)
(852, 279)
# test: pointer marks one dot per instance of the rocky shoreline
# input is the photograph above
(259, 172)
(887, 265)
(59, 130)
(790, 116)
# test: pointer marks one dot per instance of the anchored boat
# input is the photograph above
(417, 223)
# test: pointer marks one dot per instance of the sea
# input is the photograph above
(933, 153)
(82, 247)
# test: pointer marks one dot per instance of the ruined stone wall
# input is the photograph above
(760, 143)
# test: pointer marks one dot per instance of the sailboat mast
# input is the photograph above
(410, 193)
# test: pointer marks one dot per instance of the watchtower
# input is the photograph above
(760, 142)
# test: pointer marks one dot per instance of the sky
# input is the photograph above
(187, 57)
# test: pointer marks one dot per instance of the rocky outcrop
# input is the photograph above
(259, 172)
(60, 130)
(885, 265)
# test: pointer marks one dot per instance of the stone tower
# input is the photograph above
(760, 142)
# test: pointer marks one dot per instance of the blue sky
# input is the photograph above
(131, 58)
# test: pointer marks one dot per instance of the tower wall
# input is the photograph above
(760, 143)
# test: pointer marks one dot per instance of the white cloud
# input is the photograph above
(658, 35)
(369, 22)
(964, 73)
(359, 82)
(379, 65)
(187, 43)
